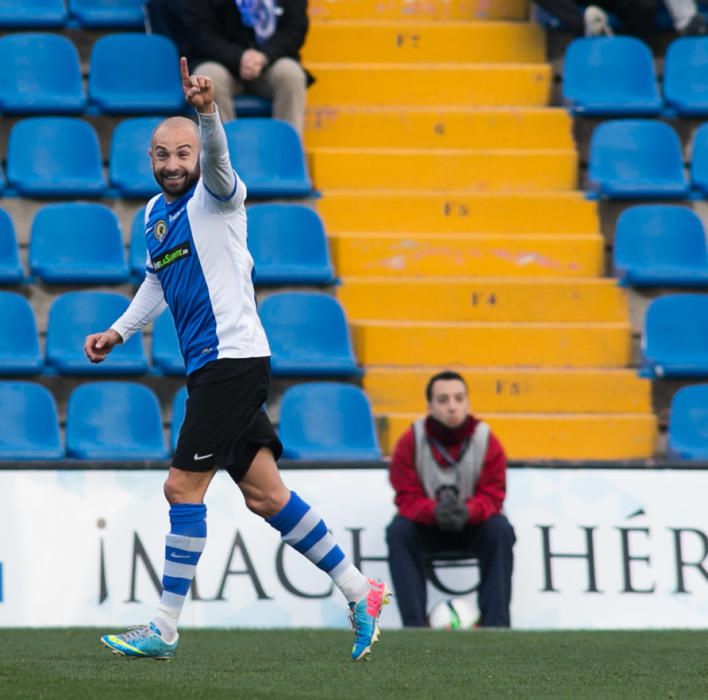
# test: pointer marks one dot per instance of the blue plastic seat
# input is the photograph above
(41, 75)
(114, 421)
(685, 80)
(308, 335)
(10, 266)
(72, 317)
(19, 340)
(675, 338)
(699, 159)
(55, 157)
(636, 159)
(267, 154)
(108, 13)
(138, 248)
(688, 423)
(288, 244)
(135, 73)
(32, 13)
(327, 421)
(660, 245)
(77, 243)
(610, 76)
(166, 354)
(179, 409)
(29, 428)
(130, 169)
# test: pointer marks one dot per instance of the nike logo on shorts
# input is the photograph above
(199, 458)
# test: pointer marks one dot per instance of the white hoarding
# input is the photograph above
(595, 549)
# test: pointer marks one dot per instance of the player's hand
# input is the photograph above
(98, 345)
(198, 89)
(252, 64)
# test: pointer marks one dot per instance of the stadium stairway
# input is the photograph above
(449, 191)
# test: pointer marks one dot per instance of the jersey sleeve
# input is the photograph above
(147, 304)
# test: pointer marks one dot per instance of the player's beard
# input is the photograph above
(177, 188)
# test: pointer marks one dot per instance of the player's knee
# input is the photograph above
(265, 504)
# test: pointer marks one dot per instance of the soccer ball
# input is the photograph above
(453, 614)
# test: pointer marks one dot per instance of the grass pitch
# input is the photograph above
(71, 663)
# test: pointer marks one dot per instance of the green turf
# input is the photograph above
(406, 664)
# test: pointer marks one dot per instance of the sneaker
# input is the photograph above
(364, 617)
(141, 643)
(596, 22)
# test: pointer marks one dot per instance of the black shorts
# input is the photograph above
(225, 423)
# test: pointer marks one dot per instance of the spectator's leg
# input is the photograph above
(637, 16)
(568, 12)
(407, 564)
(285, 83)
(226, 87)
(493, 541)
(683, 13)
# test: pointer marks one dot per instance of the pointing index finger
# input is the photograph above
(184, 70)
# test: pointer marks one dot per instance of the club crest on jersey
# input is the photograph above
(160, 230)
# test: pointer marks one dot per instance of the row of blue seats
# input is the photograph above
(615, 76)
(81, 243)
(642, 159)
(123, 421)
(60, 13)
(267, 154)
(61, 157)
(307, 331)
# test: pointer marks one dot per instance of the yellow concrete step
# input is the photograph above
(500, 390)
(472, 344)
(458, 212)
(443, 169)
(473, 299)
(363, 41)
(416, 10)
(419, 127)
(378, 254)
(386, 84)
(546, 436)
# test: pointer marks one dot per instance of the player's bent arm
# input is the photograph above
(147, 304)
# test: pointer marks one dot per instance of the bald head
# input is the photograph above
(174, 153)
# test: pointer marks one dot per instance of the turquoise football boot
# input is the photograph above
(141, 643)
(364, 618)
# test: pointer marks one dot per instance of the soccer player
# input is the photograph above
(199, 266)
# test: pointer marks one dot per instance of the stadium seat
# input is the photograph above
(308, 335)
(675, 338)
(699, 160)
(138, 249)
(610, 76)
(19, 341)
(29, 428)
(10, 266)
(108, 13)
(636, 159)
(685, 81)
(179, 406)
(77, 243)
(41, 75)
(267, 154)
(32, 13)
(166, 354)
(288, 244)
(688, 423)
(130, 169)
(72, 317)
(135, 73)
(55, 157)
(327, 421)
(660, 244)
(114, 421)
(252, 106)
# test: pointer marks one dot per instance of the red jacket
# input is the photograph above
(412, 501)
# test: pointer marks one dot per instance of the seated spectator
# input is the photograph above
(165, 17)
(250, 46)
(449, 474)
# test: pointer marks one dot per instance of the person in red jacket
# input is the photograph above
(449, 474)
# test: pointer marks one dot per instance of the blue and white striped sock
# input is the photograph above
(303, 529)
(183, 547)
